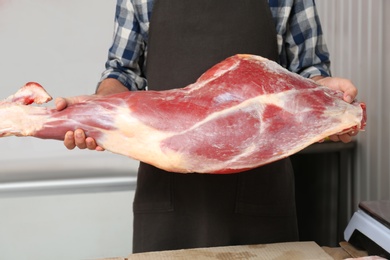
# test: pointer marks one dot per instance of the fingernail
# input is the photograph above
(79, 134)
(348, 99)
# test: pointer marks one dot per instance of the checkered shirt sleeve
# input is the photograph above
(302, 48)
(127, 54)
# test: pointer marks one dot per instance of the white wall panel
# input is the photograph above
(358, 39)
(55, 203)
(62, 45)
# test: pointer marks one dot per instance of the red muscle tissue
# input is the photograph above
(244, 112)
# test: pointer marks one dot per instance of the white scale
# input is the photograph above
(369, 228)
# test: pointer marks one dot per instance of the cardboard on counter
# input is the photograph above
(279, 251)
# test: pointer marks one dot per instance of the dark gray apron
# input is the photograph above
(175, 211)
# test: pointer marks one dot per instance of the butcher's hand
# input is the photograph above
(350, 93)
(78, 137)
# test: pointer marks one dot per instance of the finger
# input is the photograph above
(334, 138)
(91, 144)
(345, 138)
(69, 140)
(349, 89)
(80, 139)
(60, 103)
(340, 84)
(353, 133)
(99, 149)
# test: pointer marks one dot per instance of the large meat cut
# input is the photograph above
(244, 112)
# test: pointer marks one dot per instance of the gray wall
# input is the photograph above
(55, 203)
(358, 37)
(61, 45)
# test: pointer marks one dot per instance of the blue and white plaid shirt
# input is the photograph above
(301, 45)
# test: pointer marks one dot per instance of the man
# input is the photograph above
(184, 39)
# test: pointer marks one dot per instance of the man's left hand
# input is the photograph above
(350, 93)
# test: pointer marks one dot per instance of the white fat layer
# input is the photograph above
(139, 141)
(21, 120)
(31, 91)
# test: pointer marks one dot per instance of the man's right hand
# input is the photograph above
(78, 137)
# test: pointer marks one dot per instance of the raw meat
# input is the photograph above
(244, 112)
